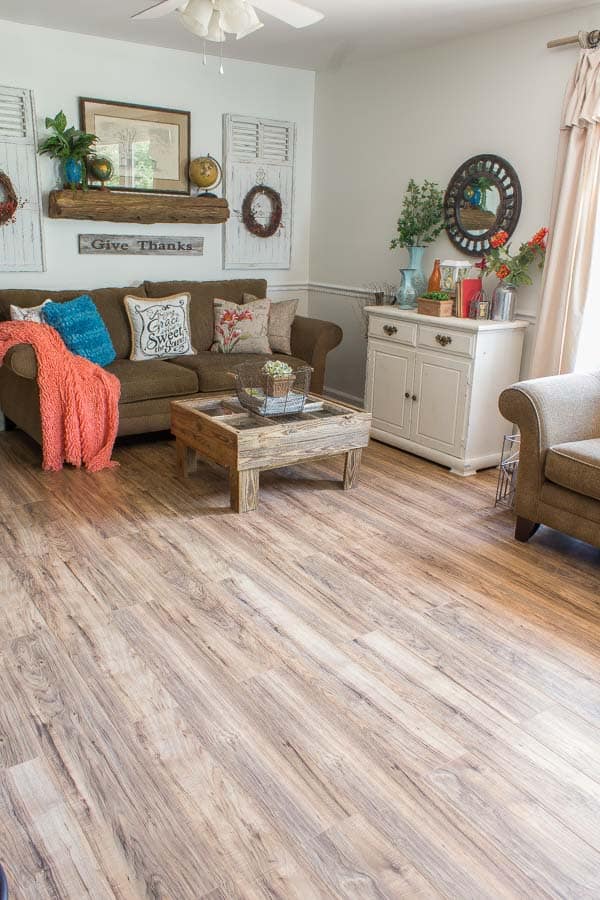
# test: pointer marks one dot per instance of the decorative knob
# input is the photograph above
(390, 329)
(443, 339)
(407, 395)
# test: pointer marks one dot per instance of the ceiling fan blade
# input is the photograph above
(159, 9)
(290, 12)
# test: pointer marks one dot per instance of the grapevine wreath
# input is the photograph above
(248, 218)
(10, 203)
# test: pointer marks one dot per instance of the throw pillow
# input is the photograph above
(28, 313)
(82, 328)
(281, 318)
(160, 329)
(241, 327)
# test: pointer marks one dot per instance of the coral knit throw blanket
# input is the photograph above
(78, 400)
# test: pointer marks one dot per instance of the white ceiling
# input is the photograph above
(364, 29)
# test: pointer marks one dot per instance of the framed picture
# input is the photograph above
(149, 147)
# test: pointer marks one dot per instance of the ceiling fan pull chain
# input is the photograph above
(221, 69)
(204, 53)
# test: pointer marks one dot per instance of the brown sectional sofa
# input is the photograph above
(148, 387)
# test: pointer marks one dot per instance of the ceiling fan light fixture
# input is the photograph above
(250, 23)
(196, 17)
(215, 31)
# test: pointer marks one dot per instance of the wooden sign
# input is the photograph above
(141, 245)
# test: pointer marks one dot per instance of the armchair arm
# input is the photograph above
(549, 411)
(21, 360)
(312, 340)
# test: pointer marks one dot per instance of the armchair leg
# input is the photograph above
(525, 529)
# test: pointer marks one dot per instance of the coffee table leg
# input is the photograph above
(244, 489)
(186, 458)
(351, 468)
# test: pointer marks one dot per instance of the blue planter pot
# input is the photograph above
(415, 261)
(406, 295)
(72, 172)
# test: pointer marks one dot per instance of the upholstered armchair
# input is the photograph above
(558, 482)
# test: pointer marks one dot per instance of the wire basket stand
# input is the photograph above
(507, 472)
(272, 395)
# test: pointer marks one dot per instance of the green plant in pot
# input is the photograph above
(70, 146)
(421, 221)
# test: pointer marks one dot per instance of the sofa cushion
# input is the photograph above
(151, 379)
(214, 369)
(109, 303)
(576, 466)
(202, 294)
(82, 328)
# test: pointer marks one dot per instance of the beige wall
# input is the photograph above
(421, 114)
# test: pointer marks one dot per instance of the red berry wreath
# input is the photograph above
(10, 204)
(248, 218)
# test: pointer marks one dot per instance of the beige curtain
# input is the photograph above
(574, 224)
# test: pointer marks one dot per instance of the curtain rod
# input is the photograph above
(586, 39)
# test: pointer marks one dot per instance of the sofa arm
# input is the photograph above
(21, 360)
(312, 340)
(549, 411)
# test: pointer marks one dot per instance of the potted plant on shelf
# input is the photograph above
(278, 378)
(435, 303)
(511, 269)
(420, 223)
(70, 146)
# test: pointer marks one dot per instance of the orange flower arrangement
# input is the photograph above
(499, 261)
(499, 239)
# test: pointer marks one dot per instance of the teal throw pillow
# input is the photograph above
(82, 328)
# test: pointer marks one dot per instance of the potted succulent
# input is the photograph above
(278, 378)
(70, 146)
(436, 303)
(420, 223)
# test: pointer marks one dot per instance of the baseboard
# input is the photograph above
(344, 397)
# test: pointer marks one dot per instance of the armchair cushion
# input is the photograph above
(576, 466)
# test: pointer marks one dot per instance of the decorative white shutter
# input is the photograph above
(258, 151)
(21, 243)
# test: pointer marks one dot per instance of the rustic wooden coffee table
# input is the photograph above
(222, 431)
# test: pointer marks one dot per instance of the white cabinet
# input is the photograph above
(433, 385)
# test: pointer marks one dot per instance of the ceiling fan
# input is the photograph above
(213, 19)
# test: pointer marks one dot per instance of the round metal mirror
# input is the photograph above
(483, 197)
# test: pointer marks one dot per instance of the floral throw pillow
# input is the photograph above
(241, 328)
(28, 313)
(160, 329)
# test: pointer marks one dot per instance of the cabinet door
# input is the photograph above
(441, 387)
(390, 370)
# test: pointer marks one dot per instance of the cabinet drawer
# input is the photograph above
(393, 330)
(449, 340)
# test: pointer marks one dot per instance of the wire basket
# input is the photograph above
(272, 395)
(507, 472)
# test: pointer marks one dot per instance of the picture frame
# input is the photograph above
(149, 146)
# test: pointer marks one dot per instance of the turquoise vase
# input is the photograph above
(406, 295)
(72, 171)
(415, 261)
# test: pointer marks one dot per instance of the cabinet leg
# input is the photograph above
(525, 529)
(244, 489)
(351, 468)
(186, 458)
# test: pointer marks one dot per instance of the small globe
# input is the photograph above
(205, 172)
(100, 168)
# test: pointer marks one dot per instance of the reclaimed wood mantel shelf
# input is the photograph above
(146, 209)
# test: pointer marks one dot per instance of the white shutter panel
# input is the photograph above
(258, 151)
(21, 244)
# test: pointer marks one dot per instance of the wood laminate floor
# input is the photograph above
(373, 694)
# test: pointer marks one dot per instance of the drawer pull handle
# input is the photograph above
(443, 339)
(390, 329)
(407, 395)
(415, 398)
